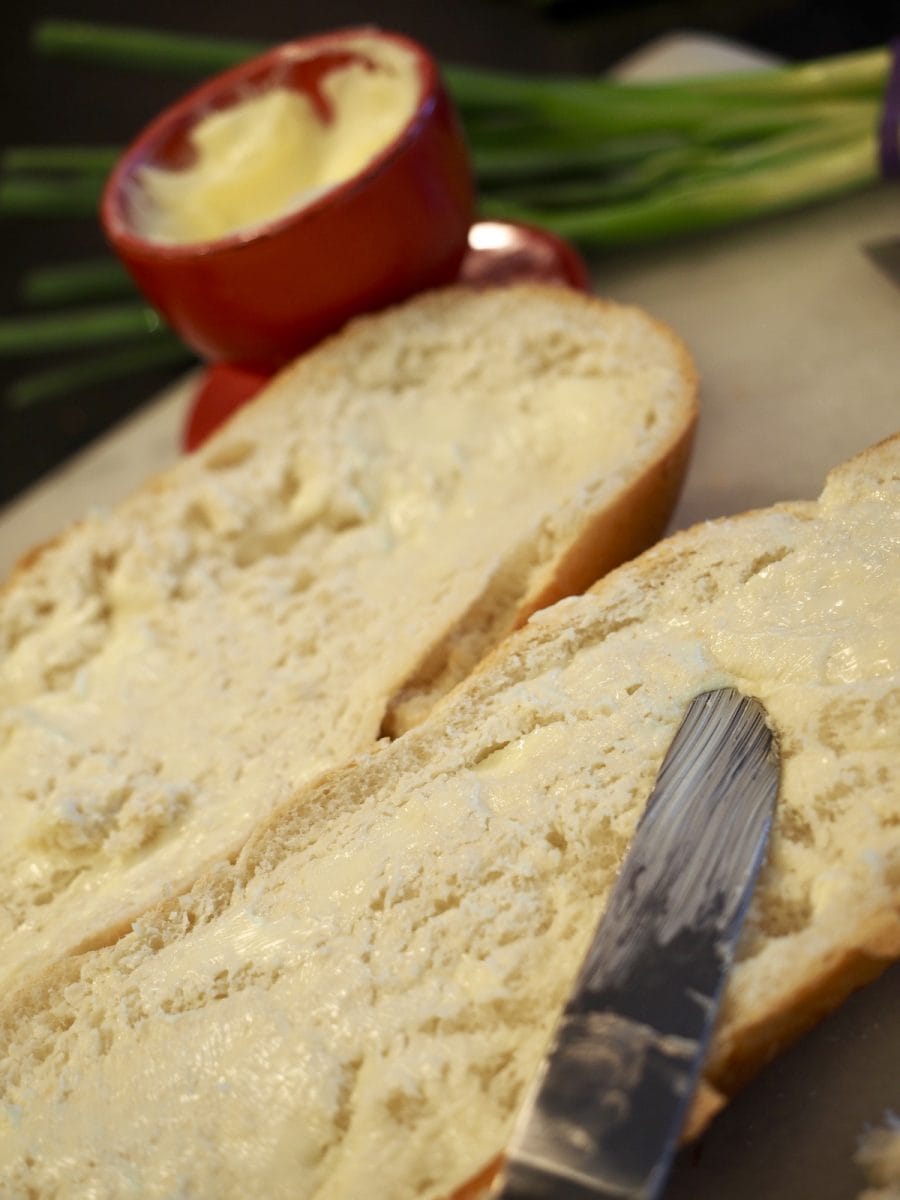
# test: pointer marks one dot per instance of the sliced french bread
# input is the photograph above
(355, 1007)
(344, 551)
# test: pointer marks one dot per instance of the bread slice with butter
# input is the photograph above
(329, 564)
(356, 1006)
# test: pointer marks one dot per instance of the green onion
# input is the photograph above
(861, 73)
(504, 159)
(685, 162)
(68, 283)
(686, 207)
(602, 188)
(83, 159)
(163, 350)
(22, 196)
(148, 49)
(604, 160)
(76, 327)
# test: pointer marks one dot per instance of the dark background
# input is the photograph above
(46, 101)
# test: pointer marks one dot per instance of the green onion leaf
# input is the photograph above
(68, 283)
(33, 197)
(689, 206)
(63, 159)
(99, 368)
(127, 46)
(77, 327)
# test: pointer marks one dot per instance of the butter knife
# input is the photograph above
(604, 1115)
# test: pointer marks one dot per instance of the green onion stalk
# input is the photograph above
(91, 369)
(594, 159)
(602, 162)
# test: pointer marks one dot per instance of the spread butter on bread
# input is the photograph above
(318, 575)
(356, 1006)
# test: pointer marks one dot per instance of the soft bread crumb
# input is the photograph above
(357, 1005)
(171, 673)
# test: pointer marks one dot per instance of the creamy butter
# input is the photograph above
(521, 753)
(272, 153)
(363, 1015)
(209, 648)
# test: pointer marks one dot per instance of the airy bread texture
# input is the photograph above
(319, 574)
(356, 1006)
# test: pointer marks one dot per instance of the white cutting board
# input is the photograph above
(797, 337)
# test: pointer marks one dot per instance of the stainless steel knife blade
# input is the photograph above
(603, 1117)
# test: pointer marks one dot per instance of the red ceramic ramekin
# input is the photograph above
(260, 296)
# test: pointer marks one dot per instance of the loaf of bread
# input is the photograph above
(355, 1007)
(326, 567)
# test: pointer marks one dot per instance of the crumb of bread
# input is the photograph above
(356, 1007)
(173, 671)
